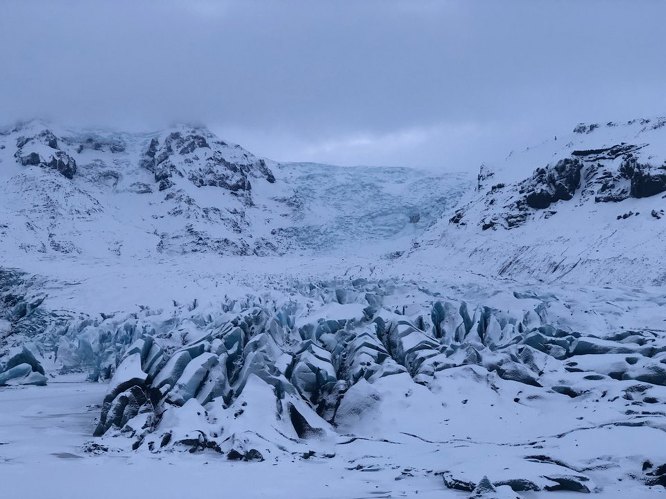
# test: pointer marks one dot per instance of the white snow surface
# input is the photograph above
(580, 240)
(102, 279)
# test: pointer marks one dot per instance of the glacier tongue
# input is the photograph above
(256, 378)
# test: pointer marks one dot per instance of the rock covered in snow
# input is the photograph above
(541, 210)
(22, 368)
(41, 149)
(21, 374)
(199, 156)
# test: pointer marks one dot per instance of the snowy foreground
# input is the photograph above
(44, 429)
(392, 436)
(179, 318)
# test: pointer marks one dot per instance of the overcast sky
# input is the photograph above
(435, 84)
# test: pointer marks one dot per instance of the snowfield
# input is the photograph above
(179, 315)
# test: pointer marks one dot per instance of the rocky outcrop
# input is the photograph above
(551, 184)
(648, 181)
(200, 157)
(127, 395)
(601, 174)
(42, 150)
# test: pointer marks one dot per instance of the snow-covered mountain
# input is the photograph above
(96, 194)
(99, 193)
(186, 302)
(588, 206)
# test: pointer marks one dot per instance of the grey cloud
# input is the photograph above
(442, 84)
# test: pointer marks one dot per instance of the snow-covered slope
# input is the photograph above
(588, 206)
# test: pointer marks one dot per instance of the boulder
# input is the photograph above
(22, 374)
(25, 356)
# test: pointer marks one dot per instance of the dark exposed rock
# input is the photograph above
(551, 184)
(584, 128)
(570, 483)
(457, 218)
(643, 181)
(592, 173)
(195, 143)
(624, 216)
(484, 174)
(63, 163)
(94, 448)
(515, 219)
(519, 485)
(199, 444)
(606, 152)
(94, 143)
(456, 484)
(196, 155)
(300, 424)
(119, 410)
(30, 159)
(45, 137)
(265, 171)
(657, 476)
(250, 455)
(539, 200)
(483, 489)
(647, 182)
(517, 372)
(56, 159)
(141, 188)
(656, 481)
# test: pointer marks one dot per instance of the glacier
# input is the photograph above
(172, 299)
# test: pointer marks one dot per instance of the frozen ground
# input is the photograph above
(43, 432)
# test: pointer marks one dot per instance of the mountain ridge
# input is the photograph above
(184, 190)
(563, 210)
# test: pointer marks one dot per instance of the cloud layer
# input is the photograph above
(438, 84)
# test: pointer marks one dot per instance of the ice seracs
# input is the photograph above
(22, 367)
